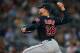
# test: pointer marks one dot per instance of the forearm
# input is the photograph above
(31, 28)
(66, 18)
(63, 18)
(28, 28)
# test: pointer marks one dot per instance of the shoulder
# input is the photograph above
(37, 19)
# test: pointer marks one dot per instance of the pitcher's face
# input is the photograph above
(43, 11)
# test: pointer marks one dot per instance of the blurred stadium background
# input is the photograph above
(15, 13)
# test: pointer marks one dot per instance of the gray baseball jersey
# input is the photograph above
(45, 47)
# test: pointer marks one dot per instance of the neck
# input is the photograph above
(47, 13)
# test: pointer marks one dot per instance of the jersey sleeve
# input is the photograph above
(33, 25)
(63, 18)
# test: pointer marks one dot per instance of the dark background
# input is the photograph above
(15, 13)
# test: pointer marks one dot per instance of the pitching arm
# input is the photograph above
(64, 16)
